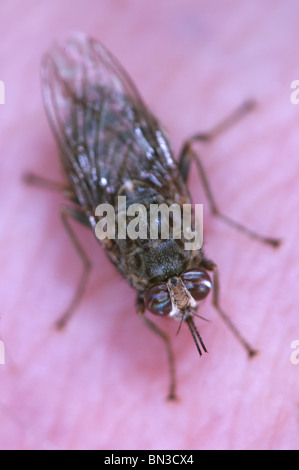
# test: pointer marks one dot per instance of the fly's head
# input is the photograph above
(179, 298)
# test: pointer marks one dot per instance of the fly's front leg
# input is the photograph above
(211, 266)
(155, 329)
(188, 155)
(77, 214)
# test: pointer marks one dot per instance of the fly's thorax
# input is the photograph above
(154, 261)
(148, 259)
(151, 242)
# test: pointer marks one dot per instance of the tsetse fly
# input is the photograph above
(111, 145)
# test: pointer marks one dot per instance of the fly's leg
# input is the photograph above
(188, 155)
(35, 180)
(66, 213)
(75, 213)
(171, 361)
(211, 266)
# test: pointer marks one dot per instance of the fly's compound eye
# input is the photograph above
(157, 300)
(198, 283)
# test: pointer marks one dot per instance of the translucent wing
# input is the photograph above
(106, 134)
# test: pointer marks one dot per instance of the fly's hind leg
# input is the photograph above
(211, 266)
(40, 182)
(155, 329)
(187, 155)
(75, 213)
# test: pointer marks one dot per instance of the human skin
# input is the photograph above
(102, 382)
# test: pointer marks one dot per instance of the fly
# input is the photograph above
(111, 145)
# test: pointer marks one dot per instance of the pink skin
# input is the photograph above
(101, 383)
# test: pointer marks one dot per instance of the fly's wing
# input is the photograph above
(106, 135)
